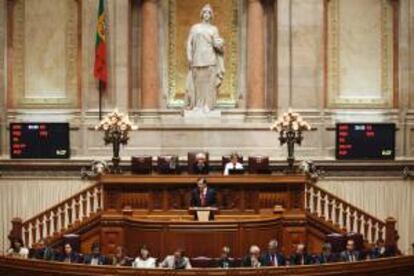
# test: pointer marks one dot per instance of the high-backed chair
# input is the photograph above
(192, 158)
(227, 158)
(141, 164)
(259, 164)
(168, 164)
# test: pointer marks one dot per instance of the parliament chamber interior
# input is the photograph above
(206, 137)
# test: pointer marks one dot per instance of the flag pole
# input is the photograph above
(100, 99)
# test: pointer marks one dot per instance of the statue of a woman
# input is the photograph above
(205, 50)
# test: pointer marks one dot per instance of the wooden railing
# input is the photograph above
(347, 217)
(64, 216)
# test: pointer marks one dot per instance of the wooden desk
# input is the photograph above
(384, 267)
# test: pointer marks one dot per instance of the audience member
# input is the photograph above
(95, 258)
(225, 261)
(120, 258)
(301, 256)
(43, 252)
(272, 257)
(144, 260)
(176, 261)
(68, 255)
(350, 254)
(253, 259)
(17, 249)
(326, 256)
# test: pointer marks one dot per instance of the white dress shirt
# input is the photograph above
(141, 263)
(231, 166)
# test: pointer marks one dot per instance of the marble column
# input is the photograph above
(150, 84)
(255, 55)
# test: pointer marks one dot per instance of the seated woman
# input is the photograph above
(17, 249)
(234, 164)
(68, 255)
(144, 260)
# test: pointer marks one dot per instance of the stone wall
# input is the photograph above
(295, 76)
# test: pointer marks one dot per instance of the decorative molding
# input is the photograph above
(72, 55)
(334, 85)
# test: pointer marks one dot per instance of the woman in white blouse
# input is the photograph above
(234, 164)
(17, 249)
(144, 260)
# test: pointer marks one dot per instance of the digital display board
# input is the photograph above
(39, 140)
(365, 141)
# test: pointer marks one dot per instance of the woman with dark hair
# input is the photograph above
(17, 249)
(68, 255)
(144, 260)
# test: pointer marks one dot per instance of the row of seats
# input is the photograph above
(169, 164)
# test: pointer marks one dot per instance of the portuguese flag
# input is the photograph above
(101, 69)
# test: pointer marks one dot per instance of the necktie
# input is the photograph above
(203, 199)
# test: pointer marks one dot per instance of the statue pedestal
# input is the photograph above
(200, 114)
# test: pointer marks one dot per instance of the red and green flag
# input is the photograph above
(100, 68)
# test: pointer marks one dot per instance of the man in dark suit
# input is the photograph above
(301, 256)
(200, 165)
(253, 259)
(350, 254)
(43, 252)
(203, 196)
(326, 256)
(225, 260)
(272, 257)
(96, 258)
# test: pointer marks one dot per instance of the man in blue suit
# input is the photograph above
(96, 258)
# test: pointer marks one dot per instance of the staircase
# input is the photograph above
(345, 217)
(65, 217)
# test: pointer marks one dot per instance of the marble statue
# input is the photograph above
(205, 50)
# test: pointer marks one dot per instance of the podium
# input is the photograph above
(203, 214)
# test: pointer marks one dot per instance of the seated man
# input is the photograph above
(200, 164)
(301, 256)
(350, 254)
(203, 196)
(326, 256)
(17, 249)
(272, 257)
(234, 164)
(43, 252)
(253, 259)
(120, 257)
(96, 258)
(225, 261)
(68, 255)
(176, 261)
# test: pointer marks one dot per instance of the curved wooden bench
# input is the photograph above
(391, 266)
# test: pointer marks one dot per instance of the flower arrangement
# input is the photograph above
(290, 126)
(290, 121)
(116, 126)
